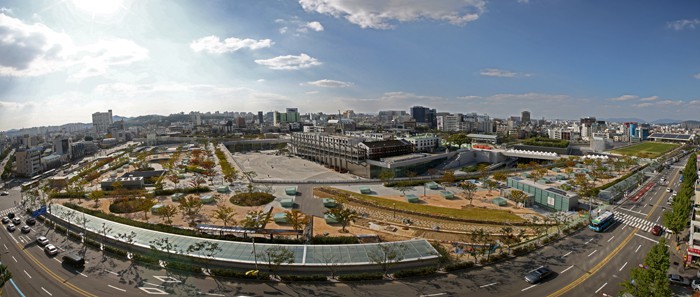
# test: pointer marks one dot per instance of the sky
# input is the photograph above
(62, 60)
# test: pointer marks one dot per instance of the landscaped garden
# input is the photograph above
(647, 149)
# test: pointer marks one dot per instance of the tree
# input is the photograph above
(468, 188)
(329, 259)
(146, 205)
(651, 280)
(518, 196)
(197, 182)
(448, 178)
(403, 187)
(166, 213)
(297, 219)
(483, 172)
(500, 176)
(190, 207)
(225, 214)
(95, 196)
(255, 219)
(207, 249)
(490, 185)
(343, 215)
(386, 255)
(459, 139)
(386, 175)
(276, 256)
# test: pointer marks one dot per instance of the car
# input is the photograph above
(42, 240)
(11, 227)
(5, 220)
(51, 249)
(25, 229)
(669, 190)
(4, 193)
(16, 221)
(538, 274)
(10, 215)
(30, 221)
(678, 280)
(74, 260)
(656, 230)
(695, 284)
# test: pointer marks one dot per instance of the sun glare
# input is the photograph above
(99, 7)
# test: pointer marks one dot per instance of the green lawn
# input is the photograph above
(474, 214)
(646, 149)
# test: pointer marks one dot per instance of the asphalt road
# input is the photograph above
(585, 264)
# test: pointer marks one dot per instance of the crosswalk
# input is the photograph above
(639, 223)
(15, 210)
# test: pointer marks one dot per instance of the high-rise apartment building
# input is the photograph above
(196, 118)
(292, 115)
(525, 117)
(101, 121)
(260, 118)
(424, 115)
(28, 162)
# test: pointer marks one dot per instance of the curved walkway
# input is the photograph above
(416, 250)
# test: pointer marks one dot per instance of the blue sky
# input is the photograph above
(62, 60)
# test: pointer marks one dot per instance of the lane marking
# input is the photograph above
(112, 272)
(588, 241)
(436, 294)
(530, 287)
(601, 287)
(213, 294)
(593, 252)
(13, 258)
(623, 227)
(152, 284)
(569, 253)
(113, 287)
(5, 246)
(82, 274)
(637, 248)
(13, 238)
(57, 260)
(25, 272)
(491, 284)
(567, 269)
(647, 238)
(611, 238)
(623, 266)
(47, 292)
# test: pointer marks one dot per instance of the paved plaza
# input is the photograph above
(273, 167)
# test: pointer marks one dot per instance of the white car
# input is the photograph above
(51, 249)
(695, 284)
(42, 240)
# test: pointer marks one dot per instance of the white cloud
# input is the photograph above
(624, 98)
(7, 11)
(262, 80)
(316, 26)
(33, 50)
(289, 62)
(495, 72)
(284, 30)
(647, 99)
(697, 76)
(645, 104)
(684, 24)
(385, 14)
(213, 44)
(524, 1)
(328, 83)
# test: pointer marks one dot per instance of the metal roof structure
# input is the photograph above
(242, 252)
(670, 136)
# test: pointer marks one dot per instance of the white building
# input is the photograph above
(101, 121)
(450, 122)
(28, 162)
(426, 142)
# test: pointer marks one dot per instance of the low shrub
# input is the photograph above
(92, 243)
(145, 259)
(522, 250)
(252, 199)
(236, 274)
(360, 277)
(184, 267)
(126, 205)
(334, 240)
(116, 251)
(407, 183)
(459, 266)
(73, 236)
(184, 191)
(415, 272)
(61, 229)
(304, 278)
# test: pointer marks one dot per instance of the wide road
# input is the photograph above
(586, 264)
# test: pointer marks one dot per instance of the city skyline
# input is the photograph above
(65, 60)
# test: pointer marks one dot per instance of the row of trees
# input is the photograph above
(651, 278)
(682, 206)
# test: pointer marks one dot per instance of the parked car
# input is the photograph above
(25, 229)
(42, 240)
(678, 280)
(74, 260)
(538, 274)
(656, 230)
(10, 215)
(16, 221)
(4, 193)
(695, 284)
(30, 221)
(11, 227)
(5, 220)
(51, 249)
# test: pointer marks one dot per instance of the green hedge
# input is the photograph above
(183, 190)
(61, 229)
(304, 278)
(252, 199)
(523, 250)
(73, 236)
(92, 243)
(116, 251)
(459, 266)
(415, 272)
(236, 274)
(360, 277)
(408, 183)
(145, 259)
(126, 205)
(546, 142)
(184, 267)
(67, 195)
(618, 180)
(334, 240)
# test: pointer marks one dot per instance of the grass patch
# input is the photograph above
(646, 149)
(467, 214)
